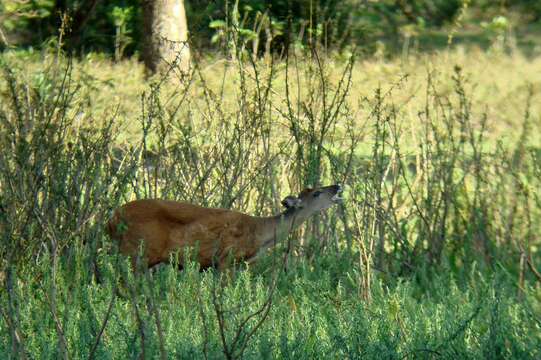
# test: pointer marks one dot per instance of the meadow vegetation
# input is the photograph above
(435, 252)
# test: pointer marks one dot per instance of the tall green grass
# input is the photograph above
(433, 254)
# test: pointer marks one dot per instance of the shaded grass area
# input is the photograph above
(525, 39)
(317, 313)
(434, 253)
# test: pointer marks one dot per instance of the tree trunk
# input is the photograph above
(165, 36)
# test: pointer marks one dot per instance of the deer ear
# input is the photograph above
(291, 202)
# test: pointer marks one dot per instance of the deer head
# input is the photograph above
(310, 201)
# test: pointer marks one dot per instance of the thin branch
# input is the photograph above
(104, 324)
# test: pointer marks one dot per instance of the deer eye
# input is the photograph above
(317, 193)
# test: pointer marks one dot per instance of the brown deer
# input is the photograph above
(163, 227)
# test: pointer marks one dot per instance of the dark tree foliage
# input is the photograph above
(98, 25)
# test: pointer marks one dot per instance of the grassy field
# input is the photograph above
(435, 252)
(498, 84)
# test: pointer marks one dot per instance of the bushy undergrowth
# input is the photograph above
(315, 315)
(433, 253)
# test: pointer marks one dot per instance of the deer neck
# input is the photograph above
(274, 228)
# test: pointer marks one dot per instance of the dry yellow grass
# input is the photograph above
(497, 84)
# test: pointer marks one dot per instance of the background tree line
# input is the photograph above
(116, 26)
